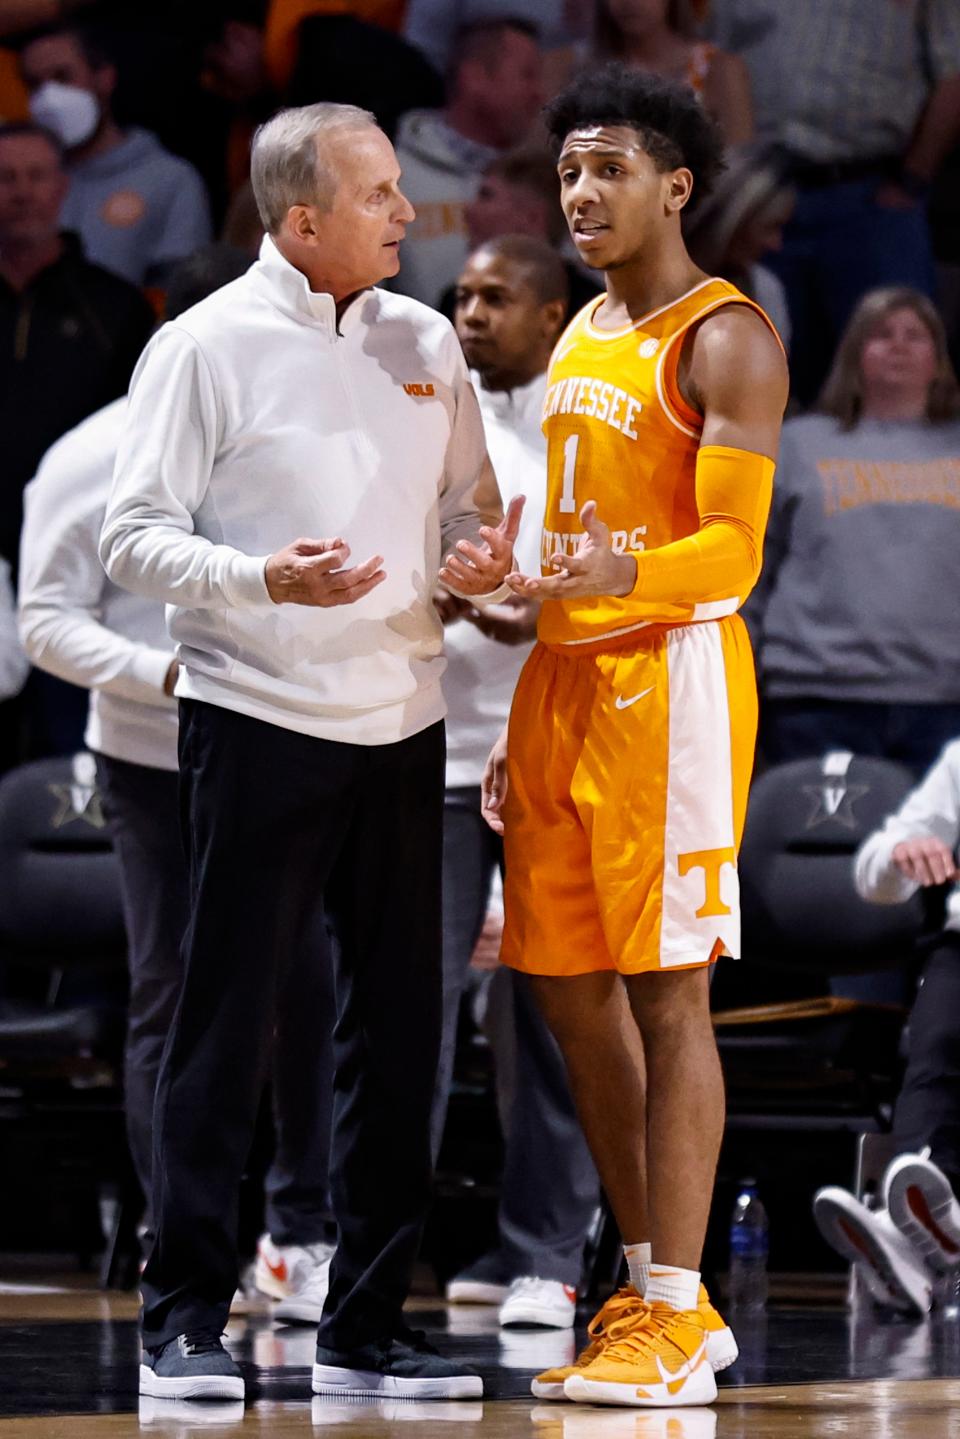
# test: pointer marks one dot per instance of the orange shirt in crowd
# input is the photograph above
(13, 95)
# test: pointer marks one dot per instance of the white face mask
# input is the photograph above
(71, 113)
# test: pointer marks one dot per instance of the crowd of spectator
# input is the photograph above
(123, 146)
(124, 141)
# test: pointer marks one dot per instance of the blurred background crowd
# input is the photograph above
(844, 158)
(124, 146)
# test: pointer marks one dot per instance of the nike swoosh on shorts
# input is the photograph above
(623, 704)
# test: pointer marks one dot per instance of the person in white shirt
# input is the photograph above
(77, 625)
(13, 662)
(301, 401)
(901, 1247)
(511, 305)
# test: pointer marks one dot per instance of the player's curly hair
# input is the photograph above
(673, 126)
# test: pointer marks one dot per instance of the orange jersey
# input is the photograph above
(619, 432)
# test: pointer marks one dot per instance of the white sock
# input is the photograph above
(638, 1263)
(677, 1287)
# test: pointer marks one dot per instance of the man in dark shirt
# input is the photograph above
(70, 333)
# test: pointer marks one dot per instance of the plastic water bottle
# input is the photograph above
(749, 1248)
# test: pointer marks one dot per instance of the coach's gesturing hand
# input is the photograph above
(481, 569)
(593, 569)
(310, 572)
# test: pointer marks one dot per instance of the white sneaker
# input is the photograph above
(462, 1289)
(545, 1302)
(298, 1276)
(888, 1263)
(923, 1206)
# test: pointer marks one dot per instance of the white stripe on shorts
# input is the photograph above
(699, 835)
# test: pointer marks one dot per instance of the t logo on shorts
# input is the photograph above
(711, 861)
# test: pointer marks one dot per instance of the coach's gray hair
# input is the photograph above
(287, 161)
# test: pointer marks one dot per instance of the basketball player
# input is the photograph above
(622, 784)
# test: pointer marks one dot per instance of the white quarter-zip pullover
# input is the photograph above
(931, 811)
(77, 624)
(255, 420)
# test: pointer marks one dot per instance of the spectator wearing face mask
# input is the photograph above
(494, 96)
(137, 208)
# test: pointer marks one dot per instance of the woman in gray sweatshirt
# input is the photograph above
(857, 616)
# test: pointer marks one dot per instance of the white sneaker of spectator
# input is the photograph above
(297, 1276)
(482, 1282)
(891, 1268)
(923, 1206)
(544, 1302)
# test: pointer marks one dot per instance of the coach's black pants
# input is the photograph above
(272, 819)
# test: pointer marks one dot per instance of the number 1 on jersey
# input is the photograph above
(568, 500)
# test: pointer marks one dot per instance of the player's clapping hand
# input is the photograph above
(480, 569)
(593, 570)
(311, 572)
(927, 861)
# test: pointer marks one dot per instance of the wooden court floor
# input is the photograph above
(68, 1371)
(900, 1409)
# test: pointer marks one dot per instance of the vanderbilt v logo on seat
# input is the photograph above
(420, 392)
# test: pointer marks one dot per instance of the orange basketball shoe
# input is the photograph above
(626, 1301)
(722, 1348)
(654, 1358)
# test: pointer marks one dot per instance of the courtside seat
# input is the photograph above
(32, 1037)
(817, 1057)
(62, 1000)
(62, 943)
(809, 1073)
(805, 822)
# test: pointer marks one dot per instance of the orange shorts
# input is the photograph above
(628, 772)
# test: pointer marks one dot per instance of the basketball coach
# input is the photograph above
(301, 401)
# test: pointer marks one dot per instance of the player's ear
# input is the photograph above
(678, 187)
